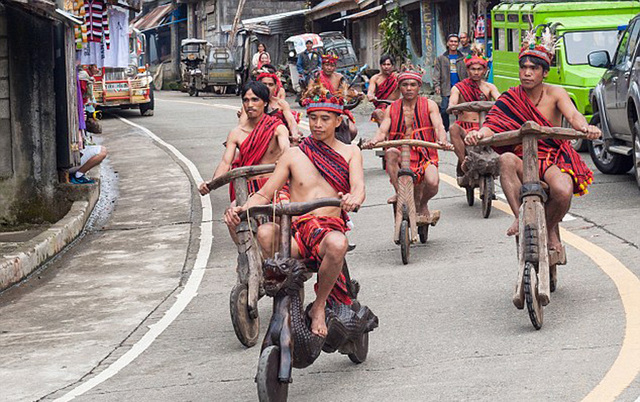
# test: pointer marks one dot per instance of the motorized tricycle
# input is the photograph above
(193, 55)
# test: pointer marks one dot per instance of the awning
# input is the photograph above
(153, 18)
(328, 7)
(46, 9)
(268, 18)
(360, 14)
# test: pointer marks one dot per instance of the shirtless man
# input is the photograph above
(260, 139)
(277, 106)
(471, 89)
(320, 167)
(383, 86)
(337, 86)
(560, 166)
(418, 117)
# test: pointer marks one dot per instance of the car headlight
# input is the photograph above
(131, 70)
(292, 54)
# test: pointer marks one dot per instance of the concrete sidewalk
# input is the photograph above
(90, 303)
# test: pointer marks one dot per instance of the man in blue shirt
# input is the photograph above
(449, 69)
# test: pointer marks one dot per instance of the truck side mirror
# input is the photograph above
(599, 59)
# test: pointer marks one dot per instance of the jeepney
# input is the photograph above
(129, 87)
(580, 26)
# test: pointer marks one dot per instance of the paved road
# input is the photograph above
(448, 330)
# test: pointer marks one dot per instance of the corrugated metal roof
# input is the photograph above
(332, 3)
(153, 18)
(360, 14)
(269, 18)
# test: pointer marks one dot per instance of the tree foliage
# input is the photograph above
(393, 33)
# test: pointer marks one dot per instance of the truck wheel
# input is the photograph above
(607, 162)
(146, 109)
(578, 145)
(636, 151)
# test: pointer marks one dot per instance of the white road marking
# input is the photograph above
(187, 294)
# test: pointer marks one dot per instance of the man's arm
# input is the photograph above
(493, 91)
(225, 164)
(291, 121)
(454, 97)
(438, 125)
(265, 194)
(282, 136)
(382, 132)
(373, 86)
(474, 135)
(573, 116)
(354, 199)
(437, 76)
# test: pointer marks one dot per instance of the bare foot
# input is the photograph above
(554, 241)
(392, 199)
(464, 166)
(514, 228)
(318, 325)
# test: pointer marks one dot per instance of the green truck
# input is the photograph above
(580, 26)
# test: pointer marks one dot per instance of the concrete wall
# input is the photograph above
(6, 158)
(28, 183)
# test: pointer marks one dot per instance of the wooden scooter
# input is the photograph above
(482, 162)
(245, 294)
(289, 341)
(409, 226)
(537, 273)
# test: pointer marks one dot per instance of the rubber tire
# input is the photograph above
(247, 329)
(487, 197)
(270, 389)
(405, 241)
(636, 151)
(423, 232)
(470, 196)
(619, 164)
(534, 306)
(146, 109)
(361, 349)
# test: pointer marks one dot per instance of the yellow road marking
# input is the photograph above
(627, 365)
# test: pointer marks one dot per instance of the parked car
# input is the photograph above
(580, 26)
(616, 105)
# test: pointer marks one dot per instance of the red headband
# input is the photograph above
(329, 59)
(470, 60)
(318, 103)
(271, 75)
(409, 75)
(538, 51)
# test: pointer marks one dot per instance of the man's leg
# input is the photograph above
(511, 182)
(443, 112)
(392, 161)
(426, 189)
(94, 160)
(378, 116)
(559, 202)
(332, 250)
(457, 134)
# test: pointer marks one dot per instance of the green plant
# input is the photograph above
(393, 33)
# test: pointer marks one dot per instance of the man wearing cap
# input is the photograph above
(383, 86)
(449, 69)
(337, 86)
(560, 166)
(308, 61)
(471, 89)
(320, 167)
(259, 139)
(415, 117)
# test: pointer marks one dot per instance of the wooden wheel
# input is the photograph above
(470, 197)
(487, 195)
(534, 306)
(270, 389)
(423, 232)
(247, 329)
(405, 241)
(361, 347)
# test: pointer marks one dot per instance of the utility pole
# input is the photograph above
(236, 22)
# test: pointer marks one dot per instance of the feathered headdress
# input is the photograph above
(325, 103)
(544, 50)
(473, 59)
(329, 58)
(410, 72)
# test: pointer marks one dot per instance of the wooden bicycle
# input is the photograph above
(481, 162)
(245, 294)
(289, 341)
(409, 226)
(537, 273)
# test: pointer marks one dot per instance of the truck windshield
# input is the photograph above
(579, 44)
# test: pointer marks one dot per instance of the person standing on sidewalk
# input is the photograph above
(465, 44)
(449, 69)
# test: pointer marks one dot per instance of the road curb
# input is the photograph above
(32, 254)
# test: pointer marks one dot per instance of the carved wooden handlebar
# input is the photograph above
(245, 171)
(532, 128)
(294, 208)
(477, 107)
(413, 143)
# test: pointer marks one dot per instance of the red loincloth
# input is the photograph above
(255, 146)
(470, 90)
(310, 230)
(468, 125)
(280, 115)
(511, 111)
(423, 130)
